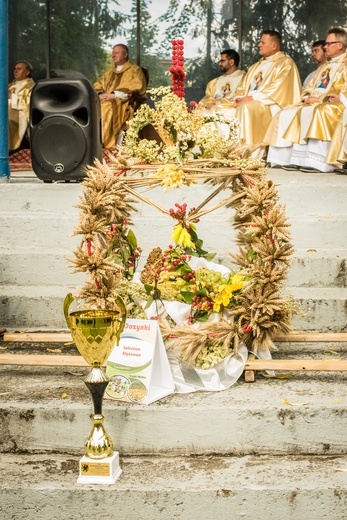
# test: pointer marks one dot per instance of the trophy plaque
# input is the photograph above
(95, 332)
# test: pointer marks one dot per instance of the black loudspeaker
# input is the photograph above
(65, 128)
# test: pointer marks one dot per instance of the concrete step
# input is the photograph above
(47, 267)
(320, 308)
(50, 230)
(318, 268)
(310, 268)
(272, 449)
(310, 349)
(319, 232)
(36, 230)
(315, 206)
(41, 306)
(302, 193)
(33, 306)
(182, 488)
(37, 220)
(32, 197)
(310, 193)
(46, 409)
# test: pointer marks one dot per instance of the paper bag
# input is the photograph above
(138, 367)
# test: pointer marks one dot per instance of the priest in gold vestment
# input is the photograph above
(337, 153)
(269, 85)
(300, 136)
(117, 89)
(19, 92)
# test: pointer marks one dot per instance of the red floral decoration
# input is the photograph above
(177, 68)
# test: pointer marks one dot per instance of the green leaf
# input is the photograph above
(187, 296)
(251, 255)
(149, 302)
(194, 235)
(126, 255)
(148, 288)
(199, 251)
(184, 269)
(132, 240)
(201, 316)
(151, 288)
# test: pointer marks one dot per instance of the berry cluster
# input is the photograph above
(174, 256)
(201, 306)
(180, 214)
(177, 69)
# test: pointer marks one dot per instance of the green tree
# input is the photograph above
(300, 23)
(194, 18)
(78, 31)
(151, 56)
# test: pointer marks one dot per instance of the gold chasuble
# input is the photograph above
(127, 79)
(274, 83)
(319, 120)
(18, 110)
(337, 153)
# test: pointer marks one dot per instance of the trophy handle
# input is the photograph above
(119, 301)
(67, 302)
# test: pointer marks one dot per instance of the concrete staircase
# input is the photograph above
(274, 449)
(37, 219)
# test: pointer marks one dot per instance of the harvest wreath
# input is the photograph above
(214, 308)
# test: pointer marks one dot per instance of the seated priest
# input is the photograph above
(300, 136)
(19, 92)
(220, 91)
(271, 84)
(117, 89)
(337, 153)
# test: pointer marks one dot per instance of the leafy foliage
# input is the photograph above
(150, 57)
(78, 31)
(300, 23)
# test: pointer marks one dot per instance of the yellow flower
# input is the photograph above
(173, 177)
(181, 237)
(226, 292)
(237, 282)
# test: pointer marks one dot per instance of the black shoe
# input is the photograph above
(343, 171)
(309, 170)
(290, 167)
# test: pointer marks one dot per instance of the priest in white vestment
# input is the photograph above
(300, 136)
(220, 92)
(318, 57)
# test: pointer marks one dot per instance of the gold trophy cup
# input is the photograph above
(95, 332)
